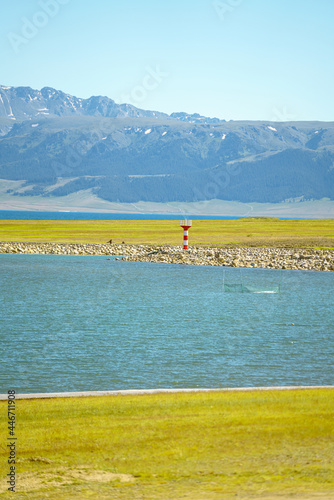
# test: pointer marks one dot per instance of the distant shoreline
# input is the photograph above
(87, 201)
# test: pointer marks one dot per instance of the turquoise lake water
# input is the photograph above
(72, 323)
(39, 215)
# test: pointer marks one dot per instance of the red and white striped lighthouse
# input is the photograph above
(186, 224)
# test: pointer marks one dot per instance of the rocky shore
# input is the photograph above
(274, 258)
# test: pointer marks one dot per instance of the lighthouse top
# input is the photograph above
(186, 223)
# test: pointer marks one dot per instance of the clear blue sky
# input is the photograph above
(234, 59)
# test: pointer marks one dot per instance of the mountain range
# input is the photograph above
(58, 144)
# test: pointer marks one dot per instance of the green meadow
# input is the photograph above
(195, 446)
(257, 231)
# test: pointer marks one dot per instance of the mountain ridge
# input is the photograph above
(26, 102)
(125, 154)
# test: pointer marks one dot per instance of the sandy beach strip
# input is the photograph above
(138, 392)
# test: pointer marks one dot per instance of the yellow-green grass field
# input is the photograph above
(197, 446)
(259, 231)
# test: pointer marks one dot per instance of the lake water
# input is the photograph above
(40, 215)
(73, 323)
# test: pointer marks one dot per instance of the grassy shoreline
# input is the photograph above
(256, 232)
(270, 444)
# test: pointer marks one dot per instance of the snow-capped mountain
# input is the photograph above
(22, 103)
(58, 144)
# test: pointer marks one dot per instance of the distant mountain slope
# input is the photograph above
(60, 144)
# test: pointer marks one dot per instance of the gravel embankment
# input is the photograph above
(275, 258)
